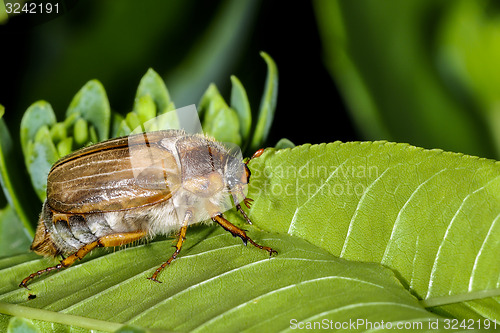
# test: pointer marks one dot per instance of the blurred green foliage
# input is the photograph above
(117, 41)
(3, 14)
(418, 71)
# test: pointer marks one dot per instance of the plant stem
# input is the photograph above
(58, 317)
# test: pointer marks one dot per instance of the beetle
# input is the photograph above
(136, 187)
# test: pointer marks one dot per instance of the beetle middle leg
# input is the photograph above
(178, 246)
(105, 241)
(235, 231)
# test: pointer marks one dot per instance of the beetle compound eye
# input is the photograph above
(246, 175)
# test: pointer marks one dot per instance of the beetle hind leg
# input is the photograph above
(105, 241)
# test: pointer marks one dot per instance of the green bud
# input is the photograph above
(58, 132)
(93, 135)
(81, 132)
(132, 120)
(65, 146)
(145, 108)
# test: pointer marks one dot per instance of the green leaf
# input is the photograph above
(41, 156)
(13, 237)
(267, 104)
(116, 124)
(91, 104)
(223, 125)
(123, 129)
(211, 99)
(152, 85)
(20, 325)
(247, 289)
(39, 114)
(239, 102)
(218, 119)
(284, 143)
(93, 135)
(131, 329)
(11, 177)
(132, 120)
(429, 215)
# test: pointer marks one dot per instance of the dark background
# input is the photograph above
(309, 108)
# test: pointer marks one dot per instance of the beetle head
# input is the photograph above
(237, 177)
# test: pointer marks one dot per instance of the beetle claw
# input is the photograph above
(153, 279)
(248, 202)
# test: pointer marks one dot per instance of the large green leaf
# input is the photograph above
(216, 285)
(429, 215)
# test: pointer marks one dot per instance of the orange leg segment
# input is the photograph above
(178, 246)
(105, 241)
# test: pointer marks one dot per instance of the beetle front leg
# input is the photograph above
(178, 246)
(235, 231)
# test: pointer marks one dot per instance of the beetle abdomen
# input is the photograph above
(66, 237)
(60, 237)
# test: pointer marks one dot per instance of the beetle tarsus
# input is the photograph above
(235, 231)
(180, 240)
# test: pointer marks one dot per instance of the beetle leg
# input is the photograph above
(105, 241)
(60, 217)
(56, 217)
(235, 231)
(248, 202)
(178, 246)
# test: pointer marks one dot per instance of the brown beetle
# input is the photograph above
(140, 186)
